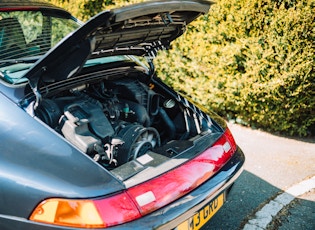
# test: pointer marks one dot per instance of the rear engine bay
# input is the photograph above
(116, 120)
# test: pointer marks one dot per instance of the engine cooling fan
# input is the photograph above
(137, 141)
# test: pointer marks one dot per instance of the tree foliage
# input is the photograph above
(248, 60)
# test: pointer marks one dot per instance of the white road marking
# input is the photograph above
(264, 216)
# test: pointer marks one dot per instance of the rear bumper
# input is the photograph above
(167, 217)
(175, 213)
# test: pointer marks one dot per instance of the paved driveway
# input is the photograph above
(274, 165)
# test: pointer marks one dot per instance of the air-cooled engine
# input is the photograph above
(111, 124)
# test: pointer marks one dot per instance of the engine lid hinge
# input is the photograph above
(33, 82)
(38, 98)
(167, 18)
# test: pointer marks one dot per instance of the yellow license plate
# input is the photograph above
(203, 215)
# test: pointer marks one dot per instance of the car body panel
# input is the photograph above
(34, 160)
(167, 217)
(29, 4)
(172, 215)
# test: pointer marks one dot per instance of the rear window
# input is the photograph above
(26, 35)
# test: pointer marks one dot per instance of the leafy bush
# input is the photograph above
(84, 9)
(248, 60)
(251, 61)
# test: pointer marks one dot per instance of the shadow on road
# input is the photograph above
(248, 193)
(300, 214)
(273, 164)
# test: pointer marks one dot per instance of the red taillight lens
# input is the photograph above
(24, 8)
(141, 199)
(117, 209)
(172, 185)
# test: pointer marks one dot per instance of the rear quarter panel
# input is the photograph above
(37, 163)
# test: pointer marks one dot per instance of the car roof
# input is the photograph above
(27, 3)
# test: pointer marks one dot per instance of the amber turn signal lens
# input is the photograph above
(74, 213)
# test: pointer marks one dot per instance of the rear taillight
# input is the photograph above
(74, 213)
(117, 209)
(92, 213)
(141, 199)
(172, 185)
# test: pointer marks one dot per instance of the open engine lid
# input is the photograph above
(144, 28)
(139, 29)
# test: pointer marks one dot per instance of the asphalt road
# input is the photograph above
(274, 165)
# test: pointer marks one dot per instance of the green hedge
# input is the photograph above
(84, 9)
(251, 61)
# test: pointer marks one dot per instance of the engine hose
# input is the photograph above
(140, 113)
(169, 123)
